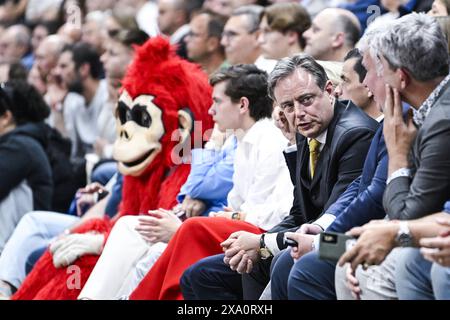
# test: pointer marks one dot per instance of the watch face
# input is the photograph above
(265, 253)
(404, 240)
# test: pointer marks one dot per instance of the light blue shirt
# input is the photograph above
(211, 176)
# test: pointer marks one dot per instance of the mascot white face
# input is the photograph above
(139, 132)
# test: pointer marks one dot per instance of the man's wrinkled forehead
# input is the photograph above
(299, 79)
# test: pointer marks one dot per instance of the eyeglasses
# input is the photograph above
(231, 34)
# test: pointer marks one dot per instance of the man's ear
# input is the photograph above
(85, 70)
(186, 123)
(404, 78)
(338, 40)
(212, 44)
(6, 119)
(329, 88)
(369, 93)
(244, 105)
(293, 37)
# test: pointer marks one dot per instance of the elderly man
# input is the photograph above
(15, 45)
(47, 54)
(418, 181)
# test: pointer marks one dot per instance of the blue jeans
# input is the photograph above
(419, 279)
(104, 172)
(310, 278)
(34, 231)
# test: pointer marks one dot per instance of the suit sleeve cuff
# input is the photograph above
(402, 172)
(270, 239)
(325, 221)
(290, 149)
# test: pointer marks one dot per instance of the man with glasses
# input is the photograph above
(240, 38)
(203, 41)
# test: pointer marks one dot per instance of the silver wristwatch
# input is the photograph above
(404, 238)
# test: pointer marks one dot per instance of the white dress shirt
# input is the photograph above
(262, 186)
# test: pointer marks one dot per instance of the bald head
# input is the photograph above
(348, 23)
(48, 52)
(333, 33)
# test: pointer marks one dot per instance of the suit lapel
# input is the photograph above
(302, 161)
(324, 157)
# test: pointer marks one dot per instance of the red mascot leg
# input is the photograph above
(45, 282)
(197, 238)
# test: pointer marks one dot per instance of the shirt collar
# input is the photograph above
(380, 118)
(252, 135)
(322, 138)
(421, 114)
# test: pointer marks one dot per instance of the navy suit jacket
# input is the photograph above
(363, 199)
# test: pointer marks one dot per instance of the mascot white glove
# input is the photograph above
(68, 249)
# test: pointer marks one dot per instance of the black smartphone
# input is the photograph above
(332, 245)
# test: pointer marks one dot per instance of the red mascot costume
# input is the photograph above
(162, 97)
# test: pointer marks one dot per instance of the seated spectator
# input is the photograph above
(118, 55)
(418, 181)
(173, 21)
(240, 38)
(77, 97)
(25, 173)
(281, 30)
(203, 41)
(15, 45)
(93, 31)
(46, 59)
(353, 88)
(333, 33)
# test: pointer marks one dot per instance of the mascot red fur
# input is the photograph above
(162, 97)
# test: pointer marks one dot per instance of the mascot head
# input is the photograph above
(163, 95)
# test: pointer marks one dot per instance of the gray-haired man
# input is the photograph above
(413, 56)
